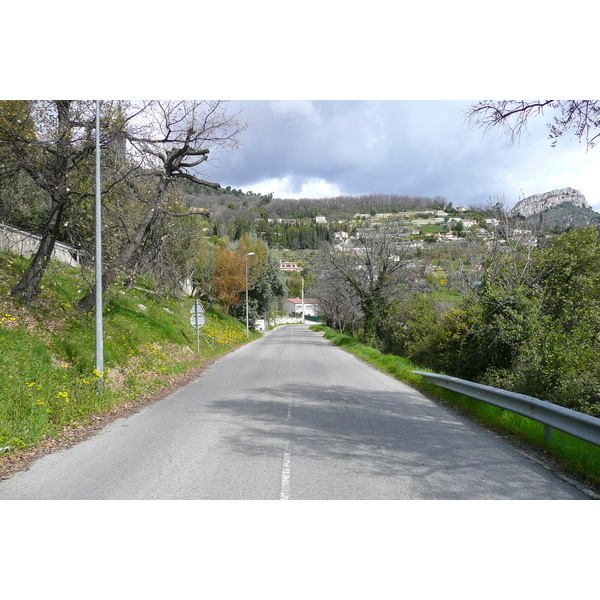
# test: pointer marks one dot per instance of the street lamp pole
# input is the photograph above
(247, 255)
(98, 207)
(303, 319)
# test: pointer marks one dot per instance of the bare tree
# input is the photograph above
(376, 269)
(169, 140)
(338, 302)
(580, 117)
(505, 253)
(52, 142)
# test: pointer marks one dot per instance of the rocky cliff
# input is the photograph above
(538, 203)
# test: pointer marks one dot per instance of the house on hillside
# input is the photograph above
(293, 306)
(320, 219)
(289, 266)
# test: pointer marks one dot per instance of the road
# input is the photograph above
(290, 417)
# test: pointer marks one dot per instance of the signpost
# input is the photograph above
(197, 320)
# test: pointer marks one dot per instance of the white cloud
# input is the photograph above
(304, 108)
(286, 187)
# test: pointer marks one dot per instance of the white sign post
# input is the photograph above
(197, 320)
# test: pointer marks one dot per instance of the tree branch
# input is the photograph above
(193, 211)
(214, 186)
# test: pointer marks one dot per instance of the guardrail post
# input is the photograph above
(547, 433)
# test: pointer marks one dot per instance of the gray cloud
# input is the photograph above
(417, 148)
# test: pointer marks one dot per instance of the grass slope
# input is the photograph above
(47, 352)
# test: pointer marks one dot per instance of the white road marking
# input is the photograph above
(286, 473)
(286, 469)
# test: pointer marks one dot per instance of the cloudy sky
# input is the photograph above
(445, 53)
(312, 149)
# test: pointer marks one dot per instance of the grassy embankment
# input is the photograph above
(47, 351)
(579, 458)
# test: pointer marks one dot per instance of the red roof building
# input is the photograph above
(289, 266)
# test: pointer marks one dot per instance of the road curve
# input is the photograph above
(291, 417)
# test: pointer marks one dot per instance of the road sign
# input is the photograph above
(197, 320)
(197, 308)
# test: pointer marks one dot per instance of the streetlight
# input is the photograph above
(247, 255)
(98, 207)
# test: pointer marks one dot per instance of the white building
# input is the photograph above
(289, 266)
(293, 306)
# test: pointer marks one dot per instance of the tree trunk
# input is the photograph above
(55, 182)
(127, 252)
(27, 287)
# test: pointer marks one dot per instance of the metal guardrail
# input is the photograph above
(569, 421)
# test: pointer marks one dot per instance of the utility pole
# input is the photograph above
(303, 319)
(247, 255)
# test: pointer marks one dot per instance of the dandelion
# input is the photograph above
(64, 394)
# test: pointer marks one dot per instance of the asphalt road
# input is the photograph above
(290, 417)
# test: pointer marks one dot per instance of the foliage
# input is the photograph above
(532, 326)
(415, 324)
(146, 148)
(563, 361)
(377, 274)
(228, 276)
(51, 144)
(169, 140)
(267, 289)
(222, 270)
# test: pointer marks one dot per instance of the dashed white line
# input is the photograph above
(286, 473)
(286, 469)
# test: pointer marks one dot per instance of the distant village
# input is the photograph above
(419, 230)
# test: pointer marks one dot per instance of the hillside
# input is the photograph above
(557, 210)
(565, 216)
(48, 382)
(227, 202)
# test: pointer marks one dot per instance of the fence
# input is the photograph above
(569, 421)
